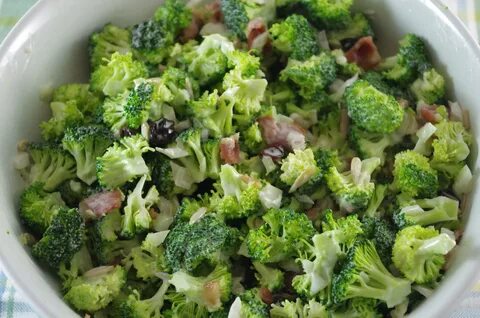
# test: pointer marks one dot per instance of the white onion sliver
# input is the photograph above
(296, 140)
(269, 164)
(213, 28)
(463, 183)
(97, 271)
(181, 177)
(270, 197)
(456, 113)
(21, 161)
(323, 40)
(169, 113)
(173, 153)
(425, 291)
(235, 309)
(197, 215)
(260, 41)
(183, 125)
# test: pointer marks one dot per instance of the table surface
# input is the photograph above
(14, 305)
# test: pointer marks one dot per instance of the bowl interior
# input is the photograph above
(49, 47)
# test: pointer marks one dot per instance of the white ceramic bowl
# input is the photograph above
(49, 47)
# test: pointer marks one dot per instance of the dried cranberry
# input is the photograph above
(162, 132)
(348, 43)
(275, 152)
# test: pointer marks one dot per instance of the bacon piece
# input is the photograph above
(200, 16)
(364, 53)
(257, 35)
(429, 113)
(192, 30)
(284, 133)
(99, 204)
(230, 150)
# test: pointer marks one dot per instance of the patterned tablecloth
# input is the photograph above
(14, 305)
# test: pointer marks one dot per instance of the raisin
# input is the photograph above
(162, 132)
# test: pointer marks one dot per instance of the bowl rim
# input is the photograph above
(34, 299)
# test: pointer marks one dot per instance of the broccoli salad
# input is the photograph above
(241, 158)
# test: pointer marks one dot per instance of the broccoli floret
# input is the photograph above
(345, 69)
(64, 114)
(211, 149)
(235, 17)
(411, 60)
(137, 218)
(95, 289)
(244, 91)
(311, 76)
(426, 211)
(180, 307)
(117, 75)
(149, 258)
(378, 80)
(353, 189)
(87, 102)
(106, 246)
(237, 14)
(251, 304)
(371, 109)
(173, 16)
(364, 275)
(330, 14)
(370, 144)
(240, 194)
(298, 168)
(318, 262)
(430, 87)
(210, 291)
(210, 62)
(280, 237)
(376, 201)
(109, 40)
(135, 307)
(358, 27)
(349, 227)
(51, 165)
(129, 109)
(382, 234)
(328, 132)
(196, 161)
(450, 148)
(122, 162)
(162, 175)
(358, 308)
(187, 208)
(295, 37)
(151, 42)
(299, 309)
(414, 176)
(207, 240)
(419, 253)
(80, 263)
(252, 139)
(85, 144)
(154, 38)
(62, 239)
(38, 207)
(212, 113)
(176, 89)
(269, 277)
